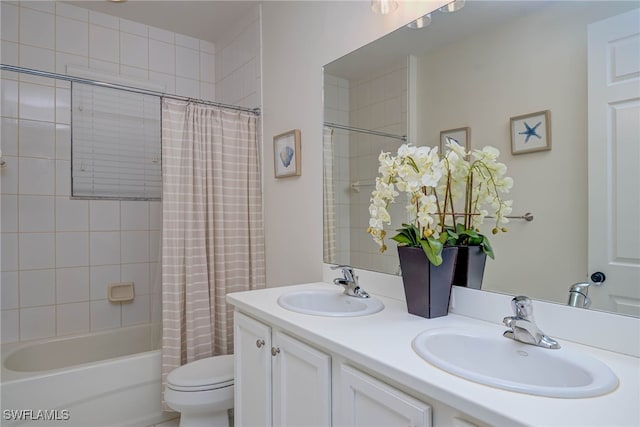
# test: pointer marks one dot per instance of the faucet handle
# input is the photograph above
(522, 307)
(347, 272)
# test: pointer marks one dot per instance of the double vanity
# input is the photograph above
(310, 355)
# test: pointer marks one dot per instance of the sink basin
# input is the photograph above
(329, 303)
(491, 359)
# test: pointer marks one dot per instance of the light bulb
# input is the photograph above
(384, 7)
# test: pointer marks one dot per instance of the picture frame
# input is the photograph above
(286, 154)
(531, 132)
(461, 135)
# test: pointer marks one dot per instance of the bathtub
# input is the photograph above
(103, 379)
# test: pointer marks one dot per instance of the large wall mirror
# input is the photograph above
(476, 69)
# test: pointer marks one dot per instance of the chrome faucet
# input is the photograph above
(523, 327)
(579, 295)
(349, 281)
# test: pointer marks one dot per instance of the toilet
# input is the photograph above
(202, 391)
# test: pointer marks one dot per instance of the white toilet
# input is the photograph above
(202, 391)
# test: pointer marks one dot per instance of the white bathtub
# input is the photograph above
(105, 379)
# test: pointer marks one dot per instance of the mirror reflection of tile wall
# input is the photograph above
(377, 101)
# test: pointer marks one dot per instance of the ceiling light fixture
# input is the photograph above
(421, 22)
(453, 6)
(384, 7)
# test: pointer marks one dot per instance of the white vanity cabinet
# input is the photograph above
(279, 380)
(367, 402)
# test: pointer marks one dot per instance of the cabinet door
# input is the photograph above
(368, 402)
(301, 384)
(252, 343)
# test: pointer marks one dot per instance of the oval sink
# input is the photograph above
(507, 364)
(329, 303)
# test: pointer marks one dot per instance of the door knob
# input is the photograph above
(275, 351)
(259, 343)
(598, 278)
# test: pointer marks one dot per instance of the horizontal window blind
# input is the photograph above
(115, 143)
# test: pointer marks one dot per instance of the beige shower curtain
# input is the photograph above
(329, 205)
(212, 232)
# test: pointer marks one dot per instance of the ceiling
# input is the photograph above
(206, 20)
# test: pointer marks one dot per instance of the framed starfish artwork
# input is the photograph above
(286, 154)
(460, 135)
(531, 132)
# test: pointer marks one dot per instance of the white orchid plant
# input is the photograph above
(449, 196)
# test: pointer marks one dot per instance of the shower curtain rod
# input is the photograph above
(74, 79)
(371, 132)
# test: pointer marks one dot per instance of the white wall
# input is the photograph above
(59, 255)
(298, 38)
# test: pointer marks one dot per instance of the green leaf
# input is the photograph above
(486, 248)
(402, 239)
(433, 250)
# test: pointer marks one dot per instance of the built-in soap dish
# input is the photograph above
(121, 292)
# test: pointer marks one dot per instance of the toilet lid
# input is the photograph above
(204, 374)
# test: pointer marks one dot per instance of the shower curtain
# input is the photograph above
(212, 227)
(329, 206)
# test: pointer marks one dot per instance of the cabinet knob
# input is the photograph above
(259, 343)
(275, 351)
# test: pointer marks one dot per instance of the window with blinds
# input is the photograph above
(115, 144)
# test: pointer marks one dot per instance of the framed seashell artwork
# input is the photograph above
(286, 154)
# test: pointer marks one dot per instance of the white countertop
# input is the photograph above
(382, 343)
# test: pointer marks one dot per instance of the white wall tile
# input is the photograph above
(36, 176)
(9, 97)
(104, 215)
(43, 5)
(104, 315)
(9, 30)
(186, 41)
(207, 68)
(162, 58)
(36, 213)
(72, 36)
(104, 43)
(133, 27)
(72, 285)
(187, 63)
(101, 277)
(73, 12)
(9, 211)
(9, 246)
(104, 66)
(105, 247)
(63, 60)
(37, 139)
(38, 59)
(169, 81)
(154, 245)
(134, 50)
(138, 274)
(10, 55)
(10, 325)
(136, 311)
(136, 73)
(104, 20)
(37, 287)
(63, 178)
(37, 251)
(135, 246)
(162, 35)
(72, 249)
(73, 318)
(187, 87)
(63, 142)
(134, 215)
(155, 215)
(207, 91)
(37, 102)
(207, 47)
(63, 106)
(37, 322)
(72, 215)
(9, 131)
(9, 290)
(43, 22)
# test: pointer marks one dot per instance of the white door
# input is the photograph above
(252, 347)
(614, 161)
(301, 384)
(367, 402)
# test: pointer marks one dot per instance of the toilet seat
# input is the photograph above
(211, 373)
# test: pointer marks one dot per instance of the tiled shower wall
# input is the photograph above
(59, 255)
(378, 101)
